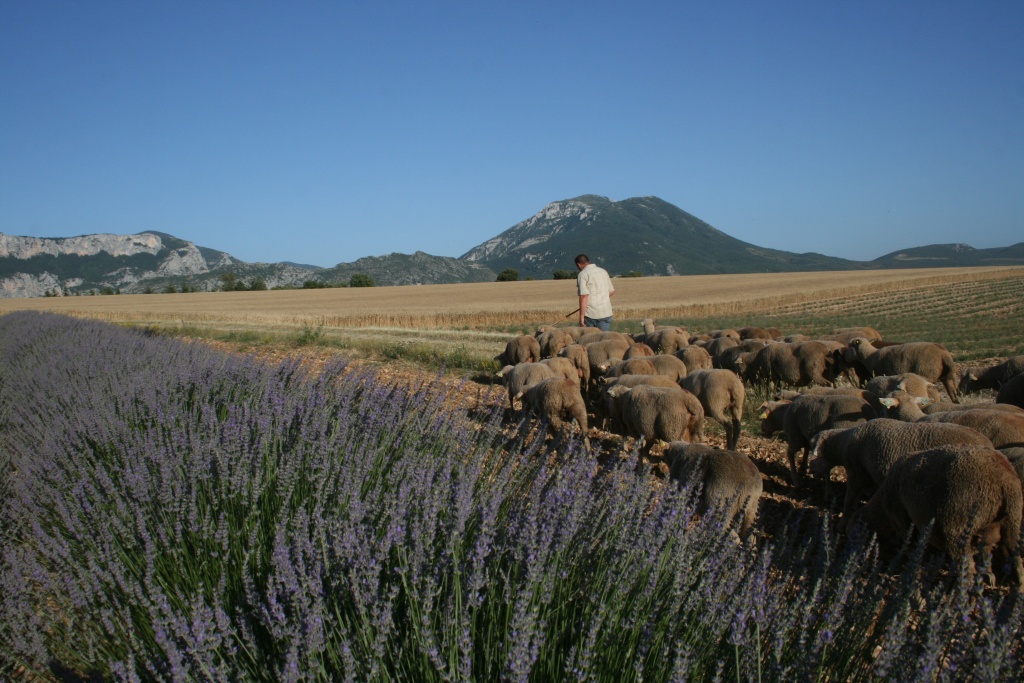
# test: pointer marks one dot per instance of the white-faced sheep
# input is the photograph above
(868, 451)
(900, 405)
(667, 413)
(970, 496)
(721, 394)
(910, 382)
(931, 361)
(1004, 429)
(976, 379)
(558, 401)
(1012, 393)
(518, 377)
(695, 357)
(809, 414)
(729, 482)
(799, 364)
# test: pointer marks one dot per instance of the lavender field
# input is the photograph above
(175, 513)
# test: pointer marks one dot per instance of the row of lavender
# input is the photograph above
(170, 512)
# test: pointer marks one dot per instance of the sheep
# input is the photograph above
(970, 495)
(695, 357)
(717, 345)
(903, 407)
(723, 333)
(759, 333)
(729, 359)
(1012, 393)
(666, 413)
(638, 350)
(721, 394)
(607, 408)
(1004, 429)
(868, 451)
(558, 400)
(648, 326)
(1016, 457)
(912, 383)
(521, 349)
(660, 364)
(564, 367)
(931, 361)
(668, 340)
(518, 377)
(729, 481)
(596, 335)
(773, 416)
(552, 341)
(809, 414)
(866, 332)
(974, 379)
(789, 394)
(578, 355)
(945, 406)
(798, 364)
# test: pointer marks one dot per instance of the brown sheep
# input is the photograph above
(596, 335)
(1012, 393)
(970, 495)
(809, 414)
(558, 400)
(607, 408)
(729, 482)
(868, 451)
(578, 355)
(789, 394)
(721, 394)
(717, 345)
(563, 367)
(1004, 429)
(666, 413)
(946, 406)
(1016, 457)
(912, 383)
(668, 340)
(931, 361)
(638, 350)
(521, 349)
(734, 357)
(600, 353)
(695, 357)
(518, 377)
(798, 364)
(552, 341)
(976, 379)
(773, 416)
(759, 333)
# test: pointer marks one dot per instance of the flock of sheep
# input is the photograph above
(917, 457)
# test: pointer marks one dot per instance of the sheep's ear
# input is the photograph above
(922, 400)
(889, 402)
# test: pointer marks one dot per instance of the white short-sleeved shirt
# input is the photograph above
(594, 282)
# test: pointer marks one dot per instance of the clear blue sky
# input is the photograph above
(321, 132)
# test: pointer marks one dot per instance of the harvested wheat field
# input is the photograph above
(482, 305)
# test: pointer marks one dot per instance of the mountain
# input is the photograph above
(147, 261)
(952, 255)
(643, 234)
(403, 269)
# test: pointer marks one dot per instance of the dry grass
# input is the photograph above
(493, 305)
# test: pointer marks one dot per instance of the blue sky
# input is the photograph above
(322, 132)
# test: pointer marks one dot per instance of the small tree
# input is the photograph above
(257, 284)
(508, 275)
(169, 288)
(562, 274)
(361, 280)
(229, 281)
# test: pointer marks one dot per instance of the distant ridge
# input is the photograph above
(641, 236)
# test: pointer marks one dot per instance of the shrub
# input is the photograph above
(361, 280)
(172, 512)
(562, 274)
(508, 275)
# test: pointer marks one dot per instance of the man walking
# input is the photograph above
(596, 291)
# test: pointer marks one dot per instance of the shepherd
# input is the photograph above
(595, 291)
